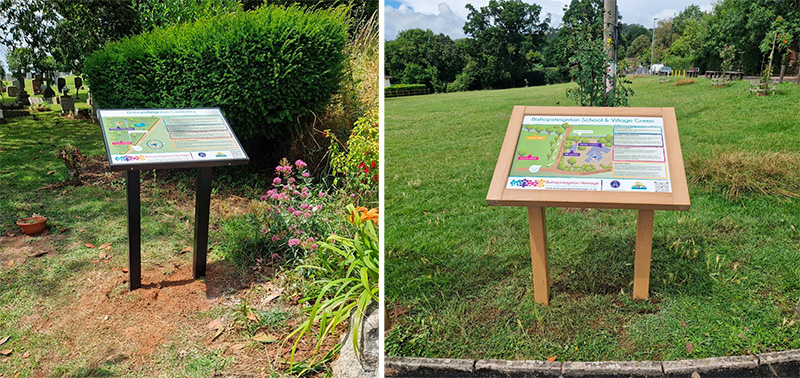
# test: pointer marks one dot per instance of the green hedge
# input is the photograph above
(263, 68)
(397, 87)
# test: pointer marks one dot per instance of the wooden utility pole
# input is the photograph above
(610, 40)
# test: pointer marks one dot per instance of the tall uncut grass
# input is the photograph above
(358, 94)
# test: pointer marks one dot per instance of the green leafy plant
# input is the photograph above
(349, 271)
(355, 162)
(728, 56)
(292, 55)
(778, 40)
(589, 70)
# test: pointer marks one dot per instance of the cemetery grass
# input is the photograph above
(725, 276)
(65, 303)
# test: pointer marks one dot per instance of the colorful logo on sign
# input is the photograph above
(201, 154)
(220, 154)
(639, 186)
(129, 158)
(615, 184)
(524, 183)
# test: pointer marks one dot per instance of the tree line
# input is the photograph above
(509, 43)
(45, 36)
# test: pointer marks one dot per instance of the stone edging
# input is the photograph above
(600, 368)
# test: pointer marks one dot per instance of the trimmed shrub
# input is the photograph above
(556, 75)
(406, 86)
(262, 68)
(406, 90)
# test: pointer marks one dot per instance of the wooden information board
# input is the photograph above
(628, 158)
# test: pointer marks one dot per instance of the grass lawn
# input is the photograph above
(725, 275)
(64, 302)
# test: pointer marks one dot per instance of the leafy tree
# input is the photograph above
(549, 129)
(588, 69)
(665, 36)
(539, 128)
(585, 16)
(632, 32)
(777, 40)
(20, 60)
(507, 36)
(26, 24)
(572, 161)
(742, 25)
(640, 48)
(692, 14)
(418, 56)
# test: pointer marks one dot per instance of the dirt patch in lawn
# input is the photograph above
(107, 323)
(17, 248)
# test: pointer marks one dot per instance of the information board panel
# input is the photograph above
(621, 157)
(591, 153)
(169, 138)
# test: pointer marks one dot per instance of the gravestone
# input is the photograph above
(61, 84)
(67, 105)
(36, 100)
(78, 83)
(37, 86)
(48, 92)
(15, 83)
(12, 91)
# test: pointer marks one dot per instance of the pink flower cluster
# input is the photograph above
(294, 218)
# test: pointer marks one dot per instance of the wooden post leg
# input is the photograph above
(541, 267)
(644, 246)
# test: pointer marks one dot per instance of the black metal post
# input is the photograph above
(201, 214)
(134, 231)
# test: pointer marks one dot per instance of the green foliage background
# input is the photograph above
(263, 68)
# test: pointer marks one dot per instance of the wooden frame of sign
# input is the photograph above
(643, 170)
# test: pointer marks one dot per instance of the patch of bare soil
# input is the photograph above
(18, 247)
(109, 323)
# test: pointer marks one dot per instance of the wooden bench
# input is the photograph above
(762, 88)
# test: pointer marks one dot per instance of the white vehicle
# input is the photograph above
(655, 67)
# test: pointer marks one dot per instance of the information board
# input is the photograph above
(626, 157)
(169, 138)
(591, 153)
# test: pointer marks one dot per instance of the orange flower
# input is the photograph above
(371, 214)
(352, 217)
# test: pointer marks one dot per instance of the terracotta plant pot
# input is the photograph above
(32, 225)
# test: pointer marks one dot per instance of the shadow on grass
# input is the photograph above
(606, 266)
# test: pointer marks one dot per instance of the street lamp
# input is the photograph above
(653, 44)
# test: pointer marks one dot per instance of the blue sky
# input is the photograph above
(449, 16)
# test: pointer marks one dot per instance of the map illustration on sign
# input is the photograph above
(183, 136)
(591, 153)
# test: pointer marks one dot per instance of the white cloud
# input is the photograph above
(449, 17)
(666, 13)
(443, 21)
